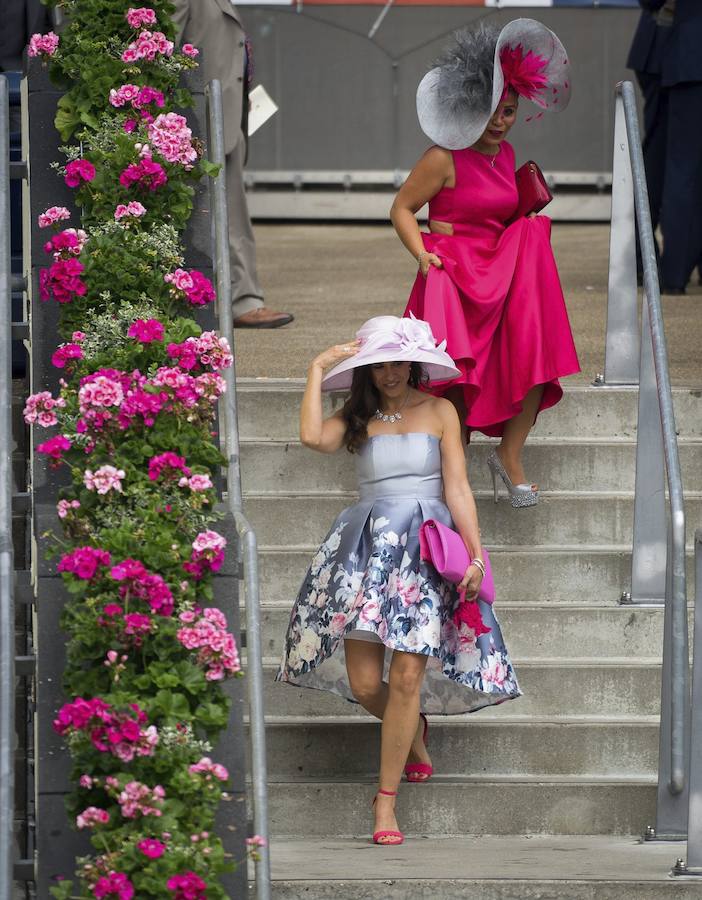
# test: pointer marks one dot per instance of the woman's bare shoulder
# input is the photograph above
(438, 159)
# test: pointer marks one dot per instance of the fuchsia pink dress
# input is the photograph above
(497, 300)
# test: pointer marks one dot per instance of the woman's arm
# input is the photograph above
(316, 432)
(424, 181)
(459, 497)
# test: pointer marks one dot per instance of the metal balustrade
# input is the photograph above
(633, 358)
(7, 605)
(247, 549)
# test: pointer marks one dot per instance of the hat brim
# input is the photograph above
(437, 365)
(448, 130)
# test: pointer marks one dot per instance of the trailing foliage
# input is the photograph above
(147, 653)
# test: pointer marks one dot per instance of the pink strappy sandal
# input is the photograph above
(418, 773)
(387, 838)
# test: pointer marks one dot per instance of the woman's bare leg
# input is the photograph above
(399, 730)
(364, 665)
(515, 433)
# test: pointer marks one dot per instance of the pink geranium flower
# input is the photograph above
(187, 886)
(116, 884)
(91, 817)
(65, 353)
(77, 171)
(146, 330)
(151, 848)
(43, 44)
(55, 447)
(141, 15)
(104, 479)
(52, 215)
(190, 51)
(133, 209)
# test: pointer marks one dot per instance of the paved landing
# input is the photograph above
(481, 868)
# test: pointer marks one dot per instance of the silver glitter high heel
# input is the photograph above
(520, 495)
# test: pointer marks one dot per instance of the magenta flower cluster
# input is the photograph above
(206, 350)
(205, 631)
(119, 733)
(130, 629)
(192, 286)
(115, 884)
(207, 554)
(66, 244)
(146, 331)
(168, 464)
(55, 447)
(77, 171)
(136, 581)
(62, 281)
(84, 562)
(65, 354)
(187, 886)
(146, 175)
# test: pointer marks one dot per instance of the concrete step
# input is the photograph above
(586, 867)
(559, 518)
(537, 629)
(556, 465)
(270, 408)
(300, 748)
(468, 805)
(552, 687)
(580, 573)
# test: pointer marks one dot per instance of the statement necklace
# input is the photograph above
(392, 417)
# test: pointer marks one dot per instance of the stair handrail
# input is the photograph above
(658, 552)
(7, 605)
(248, 552)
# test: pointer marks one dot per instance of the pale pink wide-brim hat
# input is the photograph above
(391, 339)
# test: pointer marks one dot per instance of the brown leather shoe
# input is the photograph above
(262, 318)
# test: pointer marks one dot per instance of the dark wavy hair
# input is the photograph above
(365, 399)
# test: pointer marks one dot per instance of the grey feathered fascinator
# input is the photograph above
(457, 97)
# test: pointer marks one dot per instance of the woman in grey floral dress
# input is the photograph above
(373, 622)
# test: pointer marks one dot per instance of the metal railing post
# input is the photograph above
(248, 553)
(694, 825)
(622, 340)
(7, 606)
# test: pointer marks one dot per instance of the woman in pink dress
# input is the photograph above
(488, 285)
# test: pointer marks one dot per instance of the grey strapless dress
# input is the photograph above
(367, 577)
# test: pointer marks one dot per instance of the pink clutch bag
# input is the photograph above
(445, 550)
(533, 191)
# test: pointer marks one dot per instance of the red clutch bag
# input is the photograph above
(533, 191)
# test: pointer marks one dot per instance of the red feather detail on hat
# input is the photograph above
(523, 73)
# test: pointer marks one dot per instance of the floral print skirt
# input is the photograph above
(367, 576)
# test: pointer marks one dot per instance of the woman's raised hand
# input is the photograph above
(426, 260)
(335, 354)
(471, 582)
